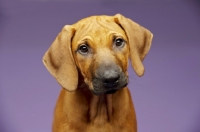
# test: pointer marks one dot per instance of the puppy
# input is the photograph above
(89, 59)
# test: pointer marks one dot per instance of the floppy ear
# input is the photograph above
(139, 40)
(59, 61)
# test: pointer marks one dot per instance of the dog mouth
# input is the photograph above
(100, 88)
(108, 91)
(111, 91)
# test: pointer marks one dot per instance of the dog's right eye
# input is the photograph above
(83, 49)
(119, 42)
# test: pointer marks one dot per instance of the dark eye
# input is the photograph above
(119, 42)
(83, 49)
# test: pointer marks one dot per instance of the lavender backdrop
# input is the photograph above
(167, 98)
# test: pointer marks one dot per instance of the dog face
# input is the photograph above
(98, 47)
(100, 50)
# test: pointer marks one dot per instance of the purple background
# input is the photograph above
(167, 97)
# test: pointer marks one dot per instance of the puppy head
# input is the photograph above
(98, 47)
(100, 51)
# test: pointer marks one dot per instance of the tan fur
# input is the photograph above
(77, 108)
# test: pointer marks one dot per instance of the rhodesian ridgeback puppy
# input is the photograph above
(89, 59)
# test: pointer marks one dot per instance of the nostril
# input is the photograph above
(111, 81)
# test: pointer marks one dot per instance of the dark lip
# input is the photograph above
(110, 91)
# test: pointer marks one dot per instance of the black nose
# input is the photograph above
(110, 79)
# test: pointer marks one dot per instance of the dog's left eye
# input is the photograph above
(83, 49)
(119, 42)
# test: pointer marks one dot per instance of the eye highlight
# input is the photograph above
(83, 49)
(119, 42)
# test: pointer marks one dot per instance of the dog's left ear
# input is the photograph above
(59, 60)
(139, 40)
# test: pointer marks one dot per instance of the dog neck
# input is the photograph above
(100, 108)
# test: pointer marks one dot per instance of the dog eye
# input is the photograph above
(83, 49)
(119, 42)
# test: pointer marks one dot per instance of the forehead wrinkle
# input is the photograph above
(97, 23)
(84, 39)
(117, 34)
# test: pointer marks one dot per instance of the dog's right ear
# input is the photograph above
(59, 60)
